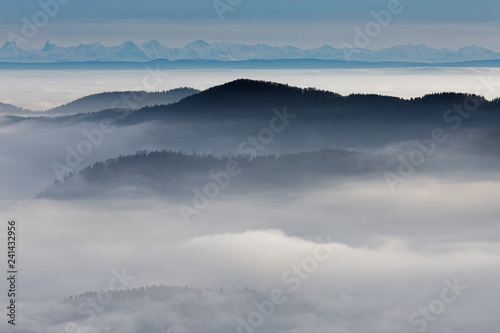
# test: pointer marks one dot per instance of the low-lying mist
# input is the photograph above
(246, 224)
(383, 255)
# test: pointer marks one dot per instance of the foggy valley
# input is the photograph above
(256, 206)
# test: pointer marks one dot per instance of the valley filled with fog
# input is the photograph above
(366, 202)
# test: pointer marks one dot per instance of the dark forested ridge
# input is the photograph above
(249, 99)
(171, 172)
(245, 99)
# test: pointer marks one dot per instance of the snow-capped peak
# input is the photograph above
(49, 47)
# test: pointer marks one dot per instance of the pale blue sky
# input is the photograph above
(305, 23)
(288, 10)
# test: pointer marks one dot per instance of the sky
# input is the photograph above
(445, 23)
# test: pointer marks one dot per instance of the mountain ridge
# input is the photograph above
(104, 101)
(175, 172)
(225, 51)
(245, 98)
(254, 98)
(122, 99)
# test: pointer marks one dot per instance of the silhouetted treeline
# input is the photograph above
(255, 100)
(248, 99)
(177, 172)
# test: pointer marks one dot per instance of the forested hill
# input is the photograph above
(177, 173)
(245, 99)
(249, 99)
(122, 99)
(8, 109)
(160, 309)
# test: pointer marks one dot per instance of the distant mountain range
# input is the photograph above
(129, 51)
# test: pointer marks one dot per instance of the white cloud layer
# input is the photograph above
(390, 252)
